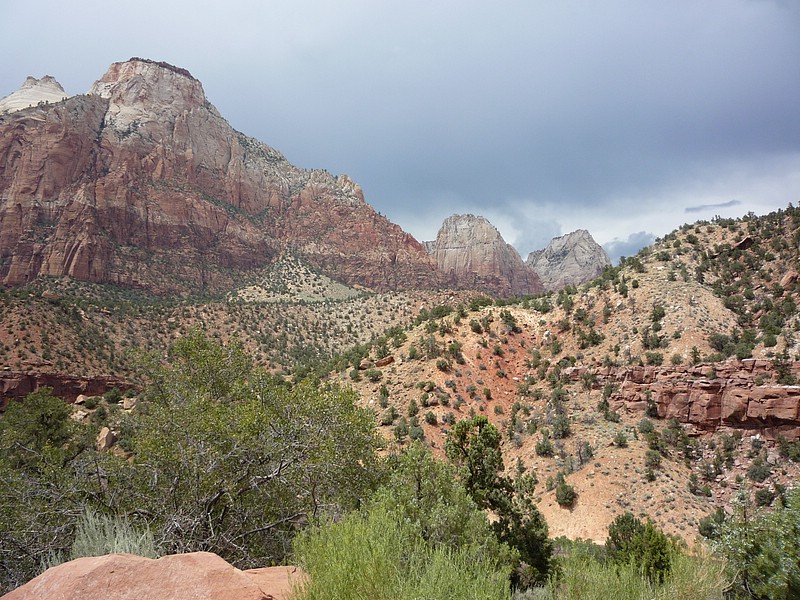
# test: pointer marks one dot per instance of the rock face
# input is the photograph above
(34, 91)
(174, 577)
(571, 259)
(18, 384)
(470, 252)
(729, 399)
(141, 182)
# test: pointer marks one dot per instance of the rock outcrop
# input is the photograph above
(727, 396)
(173, 577)
(15, 385)
(570, 259)
(141, 182)
(471, 253)
(32, 93)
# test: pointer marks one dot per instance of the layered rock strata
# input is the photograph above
(15, 385)
(735, 394)
(142, 182)
(33, 93)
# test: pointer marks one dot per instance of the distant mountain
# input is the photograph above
(470, 252)
(571, 259)
(141, 182)
(32, 93)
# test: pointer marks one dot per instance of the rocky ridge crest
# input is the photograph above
(470, 252)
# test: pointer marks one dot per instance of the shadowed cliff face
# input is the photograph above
(470, 252)
(571, 259)
(142, 182)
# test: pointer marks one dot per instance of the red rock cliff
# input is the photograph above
(734, 394)
(142, 182)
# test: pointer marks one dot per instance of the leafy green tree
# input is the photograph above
(426, 492)
(46, 475)
(473, 445)
(35, 424)
(231, 461)
(762, 549)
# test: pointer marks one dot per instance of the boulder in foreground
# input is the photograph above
(195, 576)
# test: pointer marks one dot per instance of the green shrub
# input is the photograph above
(544, 447)
(654, 358)
(98, 534)
(759, 470)
(420, 536)
(764, 497)
(374, 375)
(113, 396)
(389, 415)
(633, 542)
(646, 426)
(652, 459)
(709, 525)
(561, 427)
(413, 409)
(565, 493)
(585, 577)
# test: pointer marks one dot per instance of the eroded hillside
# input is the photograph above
(693, 338)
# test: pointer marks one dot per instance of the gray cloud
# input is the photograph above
(629, 246)
(533, 111)
(705, 207)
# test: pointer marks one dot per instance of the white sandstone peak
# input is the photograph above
(33, 92)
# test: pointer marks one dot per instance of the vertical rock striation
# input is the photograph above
(470, 252)
(142, 182)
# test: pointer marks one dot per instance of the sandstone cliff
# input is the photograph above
(470, 252)
(571, 259)
(709, 398)
(141, 182)
(18, 384)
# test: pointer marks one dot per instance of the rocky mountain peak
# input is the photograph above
(141, 182)
(33, 92)
(570, 259)
(470, 251)
(139, 90)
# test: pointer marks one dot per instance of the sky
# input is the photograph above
(627, 118)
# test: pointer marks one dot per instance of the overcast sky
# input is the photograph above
(624, 117)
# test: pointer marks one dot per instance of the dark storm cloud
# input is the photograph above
(706, 207)
(544, 116)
